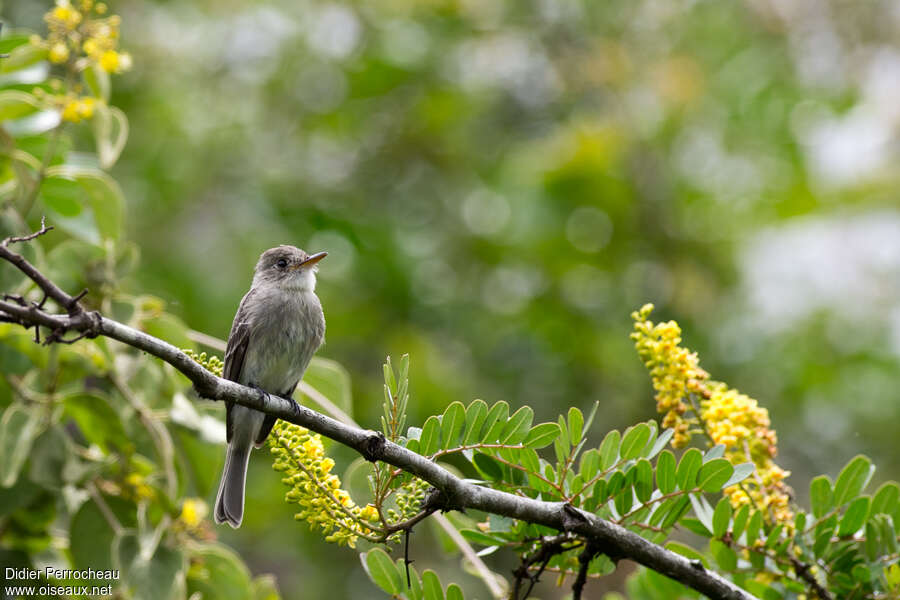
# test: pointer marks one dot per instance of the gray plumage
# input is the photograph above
(278, 327)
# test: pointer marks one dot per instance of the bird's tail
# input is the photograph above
(230, 499)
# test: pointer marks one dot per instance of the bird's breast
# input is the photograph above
(289, 331)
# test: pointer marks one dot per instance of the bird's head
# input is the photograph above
(288, 267)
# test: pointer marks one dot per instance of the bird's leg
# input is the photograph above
(295, 406)
(263, 393)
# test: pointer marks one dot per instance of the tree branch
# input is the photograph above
(457, 493)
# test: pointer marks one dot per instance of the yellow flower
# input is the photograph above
(109, 61)
(193, 511)
(59, 53)
(90, 47)
(369, 513)
(70, 112)
(65, 15)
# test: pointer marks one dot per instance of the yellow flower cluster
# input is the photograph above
(82, 32)
(211, 363)
(726, 416)
(675, 371)
(80, 37)
(300, 457)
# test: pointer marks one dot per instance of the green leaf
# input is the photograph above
(19, 426)
(717, 451)
(609, 450)
(63, 195)
(541, 435)
(643, 480)
(153, 577)
(454, 592)
(665, 472)
(101, 192)
(725, 556)
(382, 570)
(753, 528)
(495, 421)
(590, 464)
(475, 415)
(529, 459)
(886, 499)
(15, 104)
(721, 517)
(47, 460)
(741, 472)
(223, 574)
(853, 479)
(488, 467)
(678, 510)
(517, 427)
(686, 476)
(855, 516)
(660, 443)
(97, 421)
(22, 56)
(821, 497)
(430, 440)
(740, 521)
(714, 474)
(452, 423)
(431, 586)
(872, 546)
(634, 440)
(774, 536)
(576, 423)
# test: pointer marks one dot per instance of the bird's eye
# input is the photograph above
(282, 263)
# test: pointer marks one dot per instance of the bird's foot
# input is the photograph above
(295, 406)
(266, 398)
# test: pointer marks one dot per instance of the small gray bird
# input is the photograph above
(278, 327)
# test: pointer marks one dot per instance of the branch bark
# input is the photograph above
(458, 494)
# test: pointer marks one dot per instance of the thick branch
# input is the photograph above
(457, 493)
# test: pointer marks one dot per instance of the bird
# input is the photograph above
(278, 327)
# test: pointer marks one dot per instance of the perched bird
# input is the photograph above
(278, 327)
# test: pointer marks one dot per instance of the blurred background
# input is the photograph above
(500, 183)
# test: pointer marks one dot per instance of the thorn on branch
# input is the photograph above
(73, 306)
(27, 238)
(571, 517)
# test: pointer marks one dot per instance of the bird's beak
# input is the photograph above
(310, 261)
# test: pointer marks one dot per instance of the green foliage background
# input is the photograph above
(499, 183)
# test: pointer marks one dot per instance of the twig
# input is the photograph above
(27, 238)
(584, 562)
(803, 570)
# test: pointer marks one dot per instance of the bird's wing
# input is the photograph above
(235, 351)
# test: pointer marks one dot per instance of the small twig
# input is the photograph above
(27, 238)
(584, 561)
(406, 561)
(803, 570)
